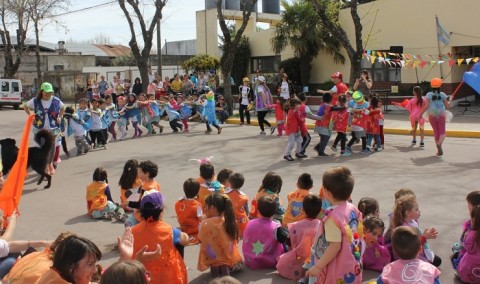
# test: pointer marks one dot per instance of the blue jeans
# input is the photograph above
(131, 221)
(378, 142)
(6, 265)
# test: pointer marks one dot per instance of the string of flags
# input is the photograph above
(406, 60)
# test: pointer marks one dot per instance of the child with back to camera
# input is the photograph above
(218, 236)
(239, 200)
(271, 186)
(128, 271)
(189, 210)
(99, 200)
(295, 198)
(295, 129)
(373, 124)
(338, 250)
(473, 200)
(279, 114)
(407, 213)
(261, 250)
(340, 123)
(76, 126)
(301, 234)
(406, 244)
(208, 182)
(414, 107)
(129, 183)
(223, 176)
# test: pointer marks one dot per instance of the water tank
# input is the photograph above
(255, 8)
(271, 7)
(232, 5)
(212, 4)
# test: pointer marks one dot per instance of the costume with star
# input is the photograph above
(261, 250)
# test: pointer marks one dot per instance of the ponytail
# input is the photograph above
(418, 94)
(223, 205)
(403, 204)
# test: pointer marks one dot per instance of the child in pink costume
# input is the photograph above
(415, 107)
(338, 251)
(408, 269)
(261, 250)
(279, 114)
(469, 255)
(302, 233)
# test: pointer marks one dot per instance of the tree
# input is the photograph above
(201, 62)
(230, 45)
(301, 29)
(40, 10)
(13, 11)
(142, 56)
(241, 57)
(332, 25)
(124, 60)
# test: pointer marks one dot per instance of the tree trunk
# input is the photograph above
(143, 69)
(227, 73)
(37, 53)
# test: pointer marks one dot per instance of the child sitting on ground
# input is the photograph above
(469, 256)
(376, 254)
(295, 211)
(301, 234)
(261, 250)
(223, 176)
(271, 186)
(208, 183)
(189, 210)
(406, 245)
(99, 200)
(239, 200)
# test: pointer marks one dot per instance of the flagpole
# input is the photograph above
(438, 45)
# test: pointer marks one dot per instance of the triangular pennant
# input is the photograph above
(451, 63)
(432, 62)
(475, 59)
(369, 52)
(416, 64)
(459, 61)
(379, 53)
(449, 55)
(468, 60)
(402, 62)
(423, 63)
(372, 58)
(441, 62)
(419, 57)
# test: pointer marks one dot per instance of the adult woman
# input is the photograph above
(48, 111)
(436, 105)
(363, 84)
(187, 86)
(137, 88)
(263, 100)
(285, 88)
(74, 261)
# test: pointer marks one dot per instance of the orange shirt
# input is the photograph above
(240, 207)
(51, 277)
(205, 191)
(146, 186)
(295, 211)
(189, 212)
(96, 197)
(29, 268)
(169, 267)
(136, 185)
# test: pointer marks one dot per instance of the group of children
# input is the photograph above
(316, 238)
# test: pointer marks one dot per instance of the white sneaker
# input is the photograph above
(262, 133)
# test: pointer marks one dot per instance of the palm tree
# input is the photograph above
(301, 28)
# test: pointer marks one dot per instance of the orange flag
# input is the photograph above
(13, 187)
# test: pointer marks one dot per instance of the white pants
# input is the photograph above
(292, 139)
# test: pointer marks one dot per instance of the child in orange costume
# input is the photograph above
(189, 210)
(208, 183)
(151, 232)
(239, 200)
(294, 211)
(218, 236)
(129, 183)
(271, 186)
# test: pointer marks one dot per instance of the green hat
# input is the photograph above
(46, 87)
(357, 96)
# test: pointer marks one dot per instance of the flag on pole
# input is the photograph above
(12, 189)
(442, 35)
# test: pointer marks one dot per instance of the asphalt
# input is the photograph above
(465, 122)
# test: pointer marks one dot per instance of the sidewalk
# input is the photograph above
(463, 124)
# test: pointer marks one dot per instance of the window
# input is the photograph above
(5, 87)
(58, 67)
(267, 64)
(15, 87)
(381, 72)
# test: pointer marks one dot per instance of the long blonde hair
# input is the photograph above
(402, 205)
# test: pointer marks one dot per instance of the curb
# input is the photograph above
(395, 131)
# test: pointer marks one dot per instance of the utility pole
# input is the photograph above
(159, 48)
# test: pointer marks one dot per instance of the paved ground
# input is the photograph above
(441, 184)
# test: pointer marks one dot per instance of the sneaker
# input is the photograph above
(208, 131)
(219, 130)
(262, 133)
(323, 154)
(379, 149)
(124, 134)
(345, 154)
(153, 131)
(422, 144)
(161, 129)
(241, 123)
(348, 148)
(272, 129)
(186, 130)
(334, 148)
(414, 142)
(366, 151)
(120, 217)
(288, 158)
(181, 127)
(357, 140)
(58, 161)
(109, 216)
(79, 153)
(300, 155)
(316, 147)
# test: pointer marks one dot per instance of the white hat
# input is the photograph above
(261, 79)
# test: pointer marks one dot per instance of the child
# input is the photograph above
(376, 254)
(469, 255)
(223, 176)
(294, 129)
(155, 119)
(147, 171)
(406, 244)
(105, 123)
(153, 232)
(473, 200)
(185, 111)
(340, 123)
(271, 186)
(189, 210)
(208, 183)
(111, 112)
(388, 233)
(173, 116)
(209, 113)
(358, 109)
(414, 107)
(133, 113)
(239, 200)
(96, 129)
(76, 126)
(305, 112)
(302, 232)
(99, 201)
(406, 213)
(369, 207)
(122, 119)
(129, 183)
(218, 235)
(295, 198)
(279, 114)
(244, 99)
(338, 251)
(147, 113)
(373, 126)
(261, 250)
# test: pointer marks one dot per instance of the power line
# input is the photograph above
(85, 9)
(465, 35)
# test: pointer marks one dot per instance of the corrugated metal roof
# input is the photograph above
(114, 49)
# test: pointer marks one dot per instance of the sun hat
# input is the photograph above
(246, 79)
(357, 96)
(436, 83)
(261, 79)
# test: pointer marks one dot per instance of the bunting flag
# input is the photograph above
(459, 61)
(13, 187)
(451, 63)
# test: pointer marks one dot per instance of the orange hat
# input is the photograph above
(436, 83)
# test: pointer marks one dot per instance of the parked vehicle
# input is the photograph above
(10, 93)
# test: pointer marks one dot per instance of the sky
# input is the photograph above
(178, 21)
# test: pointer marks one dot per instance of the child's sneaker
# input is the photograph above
(422, 144)
(366, 151)
(161, 129)
(219, 130)
(379, 149)
(334, 148)
(208, 131)
(414, 142)
(272, 129)
(345, 154)
(120, 217)
(262, 133)
(109, 216)
(348, 148)
(288, 158)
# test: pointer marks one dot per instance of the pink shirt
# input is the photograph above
(409, 271)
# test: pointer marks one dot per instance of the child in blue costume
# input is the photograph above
(209, 113)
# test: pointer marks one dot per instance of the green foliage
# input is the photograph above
(292, 67)
(201, 62)
(241, 59)
(124, 60)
